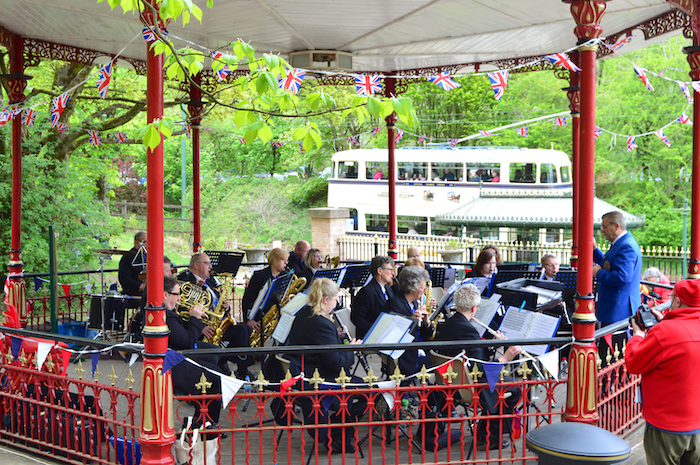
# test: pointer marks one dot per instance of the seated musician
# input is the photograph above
(413, 282)
(199, 272)
(131, 266)
(313, 326)
(459, 328)
(313, 262)
(485, 264)
(550, 267)
(185, 335)
(368, 303)
(277, 259)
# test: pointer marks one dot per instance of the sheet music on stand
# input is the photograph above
(275, 289)
(334, 274)
(485, 313)
(543, 295)
(355, 276)
(287, 317)
(437, 276)
(481, 283)
(390, 328)
(262, 297)
(524, 324)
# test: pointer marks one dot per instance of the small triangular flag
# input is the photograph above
(285, 385)
(134, 357)
(65, 358)
(95, 358)
(442, 369)
(388, 396)
(42, 350)
(88, 288)
(229, 387)
(66, 289)
(493, 373)
(171, 359)
(550, 361)
(608, 340)
(37, 283)
(16, 346)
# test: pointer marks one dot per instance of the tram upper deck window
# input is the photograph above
(379, 223)
(522, 172)
(548, 173)
(565, 174)
(377, 170)
(483, 172)
(447, 172)
(347, 169)
(413, 171)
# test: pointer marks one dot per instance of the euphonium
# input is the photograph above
(225, 319)
(272, 317)
(191, 295)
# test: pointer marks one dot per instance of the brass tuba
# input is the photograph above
(272, 317)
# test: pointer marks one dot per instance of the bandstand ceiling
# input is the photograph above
(382, 35)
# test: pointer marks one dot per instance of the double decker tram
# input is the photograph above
(437, 180)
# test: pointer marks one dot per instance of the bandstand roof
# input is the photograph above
(381, 35)
(534, 210)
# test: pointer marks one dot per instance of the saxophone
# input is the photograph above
(224, 319)
(272, 317)
(429, 307)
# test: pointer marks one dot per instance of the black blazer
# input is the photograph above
(257, 281)
(295, 263)
(129, 274)
(367, 305)
(408, 362)
(459, 328)
(310, 329)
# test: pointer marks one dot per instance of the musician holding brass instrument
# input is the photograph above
(413, 283)
(459, 328)
(223, 328)
(277, 259)
(313, 263)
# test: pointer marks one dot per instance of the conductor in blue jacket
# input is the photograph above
(618, 271)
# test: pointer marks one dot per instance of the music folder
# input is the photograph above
(390, 328)
(524, 324)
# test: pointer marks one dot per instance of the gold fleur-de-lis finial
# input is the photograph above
(36, 360)
(287, 376)
(203, 384)
(624, 347)
(97, 373)
(49, 363)
(316, 379)
(608, 357)
(423, 376)
(261, 382)
(370, 378)
(475, 373)
(616, 353)
(9, 358)
(80, 369)
(113, 378)
(504, 372)
(449, 375)
(524, 370)
(130, 381)
(22, 358)
(397, 377)
(343, 378)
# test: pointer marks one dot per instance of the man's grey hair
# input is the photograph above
(548, 255)
(196, 258)
(412, 278)
(616, 216)
(466, 297)
(378, 262)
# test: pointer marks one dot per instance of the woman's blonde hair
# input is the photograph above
(276, 254)
(320, 288)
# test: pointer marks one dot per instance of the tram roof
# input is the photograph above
(456, 154)
(515, 209)
(382, 35)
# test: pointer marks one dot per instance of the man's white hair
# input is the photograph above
(466, 297)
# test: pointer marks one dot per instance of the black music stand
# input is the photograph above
(278, 290)
(509, 275)
(334, 274)
(513, 294)
(355, 276)
(437, 276)
(224, 261)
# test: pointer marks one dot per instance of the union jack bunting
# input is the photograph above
(188, 130)
(398, 136)
(4, 118)
(62, 128)
(597, 132)
(485, 133)
(374, 131)
(104, 78)
(695, 85)
(684, 119)
(301, 147)
(367, 85)
(94, 138)
(499, 81)
(643, 76)
(292, 81)
(562, 59)
(276, 144)
(560, 121)
(242, 140)
(686, 91)
(421, 139)
(620, 42)
(225, 70)
(523, 131)
(120, 137)
(353, 140)
(150, 35)
(663, 137)
(444, 81)
(28, 117)
(453, 142)
(631, 145)
(57, 106)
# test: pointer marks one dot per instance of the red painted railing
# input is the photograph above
(617, 409)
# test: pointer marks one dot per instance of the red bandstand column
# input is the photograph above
(195, 107)
(157, 428)
(574, 95)
(581, 402)
(390, 90)
(16, 83)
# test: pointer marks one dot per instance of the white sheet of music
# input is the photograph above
(485, 313)
(258, 301)
(289, 311)
(543, 295)
(390, 328)
(524, 324)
